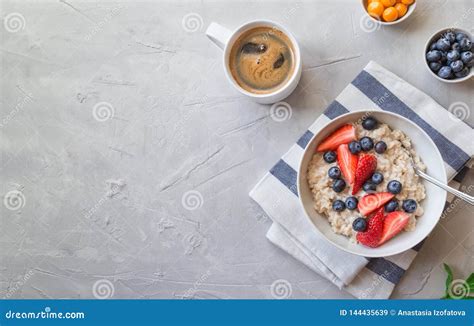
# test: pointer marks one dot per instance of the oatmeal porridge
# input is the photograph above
(363, 181)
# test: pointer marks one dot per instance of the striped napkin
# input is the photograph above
(374, 88)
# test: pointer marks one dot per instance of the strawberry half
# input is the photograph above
(347, 162)
(371, 237)
(365, 168)
(343, 135)
(371, 202)
(392, 225)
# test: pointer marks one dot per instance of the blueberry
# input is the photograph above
(329, 157)
(456, 47)
(433, 46)
(380, 147)
(338, 205)
(460, 36)
(453, 55)
(470, 64)
(465, 44)
(457, 66)
(394, 187)
(354, 147)
(467, 57)
(409, 205)
(433, 56)
(338, 185)
(359, 224)
(445, 72)
(443, 57)
(366, 143)
(369, 186)
(334, 172)
(351, 203)
(391, 206)
(435, 66)
(443, 44)
(463, 73)
(369, 123)
(450, 36)
(377, 178)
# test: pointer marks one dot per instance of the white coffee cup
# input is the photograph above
(224, 39)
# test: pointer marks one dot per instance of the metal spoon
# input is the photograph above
(436, 182)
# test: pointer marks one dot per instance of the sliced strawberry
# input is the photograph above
(343, 135)
(347, 162)
(394, 222)
(365, 168)
(371, 237)
(371, 202)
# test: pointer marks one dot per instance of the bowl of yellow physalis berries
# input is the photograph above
(389, 12)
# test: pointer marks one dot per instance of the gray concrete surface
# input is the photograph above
(126, 158)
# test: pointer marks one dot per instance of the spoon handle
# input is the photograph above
(457, 193)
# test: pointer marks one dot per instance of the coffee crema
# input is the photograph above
(262, 60)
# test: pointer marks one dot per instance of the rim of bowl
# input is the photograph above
(430, 41)
(411, 9)
(300, 167)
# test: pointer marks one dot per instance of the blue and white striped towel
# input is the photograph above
(374, 88)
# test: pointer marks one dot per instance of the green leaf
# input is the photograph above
(449, 278)
(470, 283)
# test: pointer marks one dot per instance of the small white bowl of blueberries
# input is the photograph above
(448, 55)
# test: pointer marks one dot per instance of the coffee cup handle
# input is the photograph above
(218, 34)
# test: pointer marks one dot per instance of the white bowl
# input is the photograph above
(436, 36)
(433, 204)
(411, 9)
